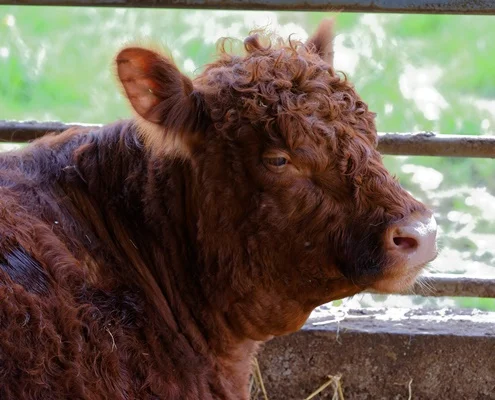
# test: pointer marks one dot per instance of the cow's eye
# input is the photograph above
(275, 162)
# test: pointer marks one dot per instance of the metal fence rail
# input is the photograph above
(444, 285)
(429, 144)
(486, 7)
(425, 143)
(20, 132)
(454, 285)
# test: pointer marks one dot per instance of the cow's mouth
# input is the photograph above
(400, 279)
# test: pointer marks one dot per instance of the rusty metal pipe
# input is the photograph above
(473, 7)
(25, 131)
(424, 143)
(444, 285)
(429, 144)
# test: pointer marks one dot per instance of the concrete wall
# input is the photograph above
(380, 354)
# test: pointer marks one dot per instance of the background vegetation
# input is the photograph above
(417, 72)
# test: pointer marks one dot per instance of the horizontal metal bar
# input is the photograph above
(25, 131)
(424, 143)
(453, 286)
(429, 144)
(486, 7)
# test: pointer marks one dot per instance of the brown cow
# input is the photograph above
(149, 258)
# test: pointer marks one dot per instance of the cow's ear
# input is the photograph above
(157, 90)
(321, 41)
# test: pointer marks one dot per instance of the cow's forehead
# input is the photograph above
(288, 92)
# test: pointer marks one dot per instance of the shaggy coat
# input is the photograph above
(149, 258)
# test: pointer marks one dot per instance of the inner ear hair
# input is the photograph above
(169, 111)
(152, 82)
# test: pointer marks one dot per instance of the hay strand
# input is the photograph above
(338, 394)
(258, 379)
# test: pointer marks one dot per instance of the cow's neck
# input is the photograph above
(148, 206)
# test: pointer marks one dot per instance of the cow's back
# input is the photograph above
(70, 326)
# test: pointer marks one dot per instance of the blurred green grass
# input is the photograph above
(59, 61)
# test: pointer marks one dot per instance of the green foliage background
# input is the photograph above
(418, 72)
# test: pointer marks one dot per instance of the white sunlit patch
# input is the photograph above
(189, 66)
(481, 44)
(426, 178)
(460, 217)
(361, 42)
(484, 105)
(211, 33)
(375, 24)
(397, 306)
(465, 224)
(417, 84)
(10, 20)
(176, 54)
(484, 243)
(389, 108)
(197, 29)
(485, 124)
(345, 59)
(219, 25)
(9, 146)
(4, 52)
(482, 200)
(145, 30)
(40, 59)
(293, 30)
(451, 261)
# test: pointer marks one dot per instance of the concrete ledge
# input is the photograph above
(385, 354)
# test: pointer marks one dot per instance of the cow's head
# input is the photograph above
(294, 206)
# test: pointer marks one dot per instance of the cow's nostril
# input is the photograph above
(413, 238)
(405, 243)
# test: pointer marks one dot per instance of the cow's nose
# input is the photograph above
(414, 238)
